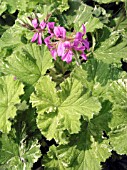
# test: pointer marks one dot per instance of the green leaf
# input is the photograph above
(45, 97)
(12, 37)
(83, 152)
(14, 156)
(10, 90)
(112, 49)
(62, 5)
(92, 24)
(3, 7)
(108, 1)
(63, 108)
(99, 125)
(16, 5)
(118, 134)
(29, 63)
(59, 5)
(78, 14)
(91, 77)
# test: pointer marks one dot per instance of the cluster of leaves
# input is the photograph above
(81, 108)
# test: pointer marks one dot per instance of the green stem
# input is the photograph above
(78, 62)
(93, 42)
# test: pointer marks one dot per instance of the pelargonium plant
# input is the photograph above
(63, 85)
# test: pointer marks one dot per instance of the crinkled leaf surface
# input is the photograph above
(92, 24)
(14, 156)
(112, 49)
(10, 90)
(83, 152)
(12, 37)
(95, 76)
(17, 5)
(117, 94)
(78, 14)
(68, 104)
(29, 63)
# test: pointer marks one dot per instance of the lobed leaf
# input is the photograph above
(10, 90)
(112, 49)
(14, 156)
(62, 110)
(29, 63)
(83, 152)
(117, 95)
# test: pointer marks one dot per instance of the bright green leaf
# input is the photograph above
(118, 134)
(90, 75)
(78, 14)
(68, 104)
(10, 90)
(112, 49)
(14, 156)
(29, 63)
(83, 152)
(92, 24)
(12, 37)
(3, 7)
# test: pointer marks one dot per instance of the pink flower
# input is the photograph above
(66, 47)
(35, 23)
(81, 44)
(38, 28)
(60, 32)
(50, 27)
(67, 54)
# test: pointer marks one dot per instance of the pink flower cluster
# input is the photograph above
(58, 43)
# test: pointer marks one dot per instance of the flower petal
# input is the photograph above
(50, 27)
(35, 23)
(86, 44)
(79, 36)
(42, 24)
(39, 39)
(60, 49)
(83, 55)
(47, 41)
(67, 44)
(67, 56)
(35, 36)
(54, 53)
(60, 32)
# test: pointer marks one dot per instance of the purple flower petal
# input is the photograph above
(39, 39)
(86, 44)
(60, 49)
(35, 23)
(78, 45)
(67, 56)
(67, 44)
(50, 27)
(60, 32)
(54, 53)
(83, 55)
(47, 41)
(79, 36)
(42, 25)
(35, 36)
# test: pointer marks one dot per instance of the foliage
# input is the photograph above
(77, 103)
